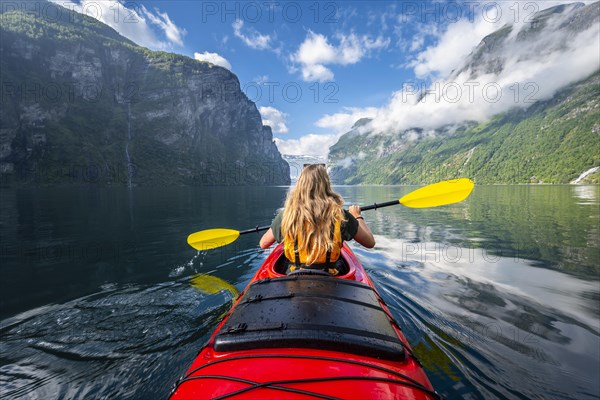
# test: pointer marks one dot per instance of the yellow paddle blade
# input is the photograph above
(439, 194)
(211, 284)
(212, 238)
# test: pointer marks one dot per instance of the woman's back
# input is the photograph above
(314, 224)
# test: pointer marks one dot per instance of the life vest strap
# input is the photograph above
(293, 255)
(296, 253)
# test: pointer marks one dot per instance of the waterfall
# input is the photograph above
(128, 158)
(584, 175)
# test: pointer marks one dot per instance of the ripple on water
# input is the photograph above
(127, 343)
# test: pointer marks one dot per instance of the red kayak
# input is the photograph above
(305, 336)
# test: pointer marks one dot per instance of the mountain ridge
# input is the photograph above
(83, 104)
(554, 140)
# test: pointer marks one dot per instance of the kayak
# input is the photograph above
(307, 335)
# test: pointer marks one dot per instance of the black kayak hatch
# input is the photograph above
(311, 312)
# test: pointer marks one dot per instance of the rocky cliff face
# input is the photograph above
(80, 103)
(554, 139)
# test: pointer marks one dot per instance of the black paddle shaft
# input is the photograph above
(365, 208)
(376, 206)
(256, 229)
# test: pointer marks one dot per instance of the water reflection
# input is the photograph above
(471, 314)
(547, 224)
(498, 295)
(588, 194)
(211, 284)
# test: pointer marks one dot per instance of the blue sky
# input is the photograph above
(313, 68)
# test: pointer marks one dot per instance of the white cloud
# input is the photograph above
(274, 118)
(349, 161)
(308, 145)
(316, 72)
(519, 72)
(174, 33)
(213, 58)
(418, 39)
(381, 19)
(342, 122)
(138, 26)
(317, 145)
(456, 40)
(345, 162)
(261, 79)
(316, 52)
(451, 49)
(253, 38)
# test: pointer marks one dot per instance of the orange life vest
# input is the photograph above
(325, 258)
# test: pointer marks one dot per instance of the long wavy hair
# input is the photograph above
(312, 208)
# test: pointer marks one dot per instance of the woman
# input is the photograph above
(313, 224)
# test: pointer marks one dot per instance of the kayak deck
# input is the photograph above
(296, 375)
(310, 312)
(299, 337)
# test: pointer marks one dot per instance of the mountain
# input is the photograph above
(82, 104)
(552, 140)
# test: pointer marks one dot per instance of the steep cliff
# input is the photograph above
(554, 139)
(80, 103)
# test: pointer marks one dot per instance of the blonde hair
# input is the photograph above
(311, 208)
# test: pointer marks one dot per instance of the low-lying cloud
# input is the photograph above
(318, 145)
(519, 72)
(342, 122)
(213, 58)
(311, 144)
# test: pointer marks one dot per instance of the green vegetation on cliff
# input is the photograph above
(554, 141)
(82, 104)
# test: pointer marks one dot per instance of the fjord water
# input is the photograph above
(498, 295)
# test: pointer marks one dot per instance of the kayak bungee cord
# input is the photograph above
(331, 379)
(266, 385)
(274, 385)
(293, 356)
(408, 381)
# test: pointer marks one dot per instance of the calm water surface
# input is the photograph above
(100, 297)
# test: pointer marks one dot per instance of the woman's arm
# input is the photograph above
(363, 235)
(267, 239)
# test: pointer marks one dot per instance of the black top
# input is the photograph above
(349, 227)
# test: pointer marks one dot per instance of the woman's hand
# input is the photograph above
(267, 239)
(354, 210)
(363, 234)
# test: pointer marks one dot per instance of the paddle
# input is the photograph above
(437, 194)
